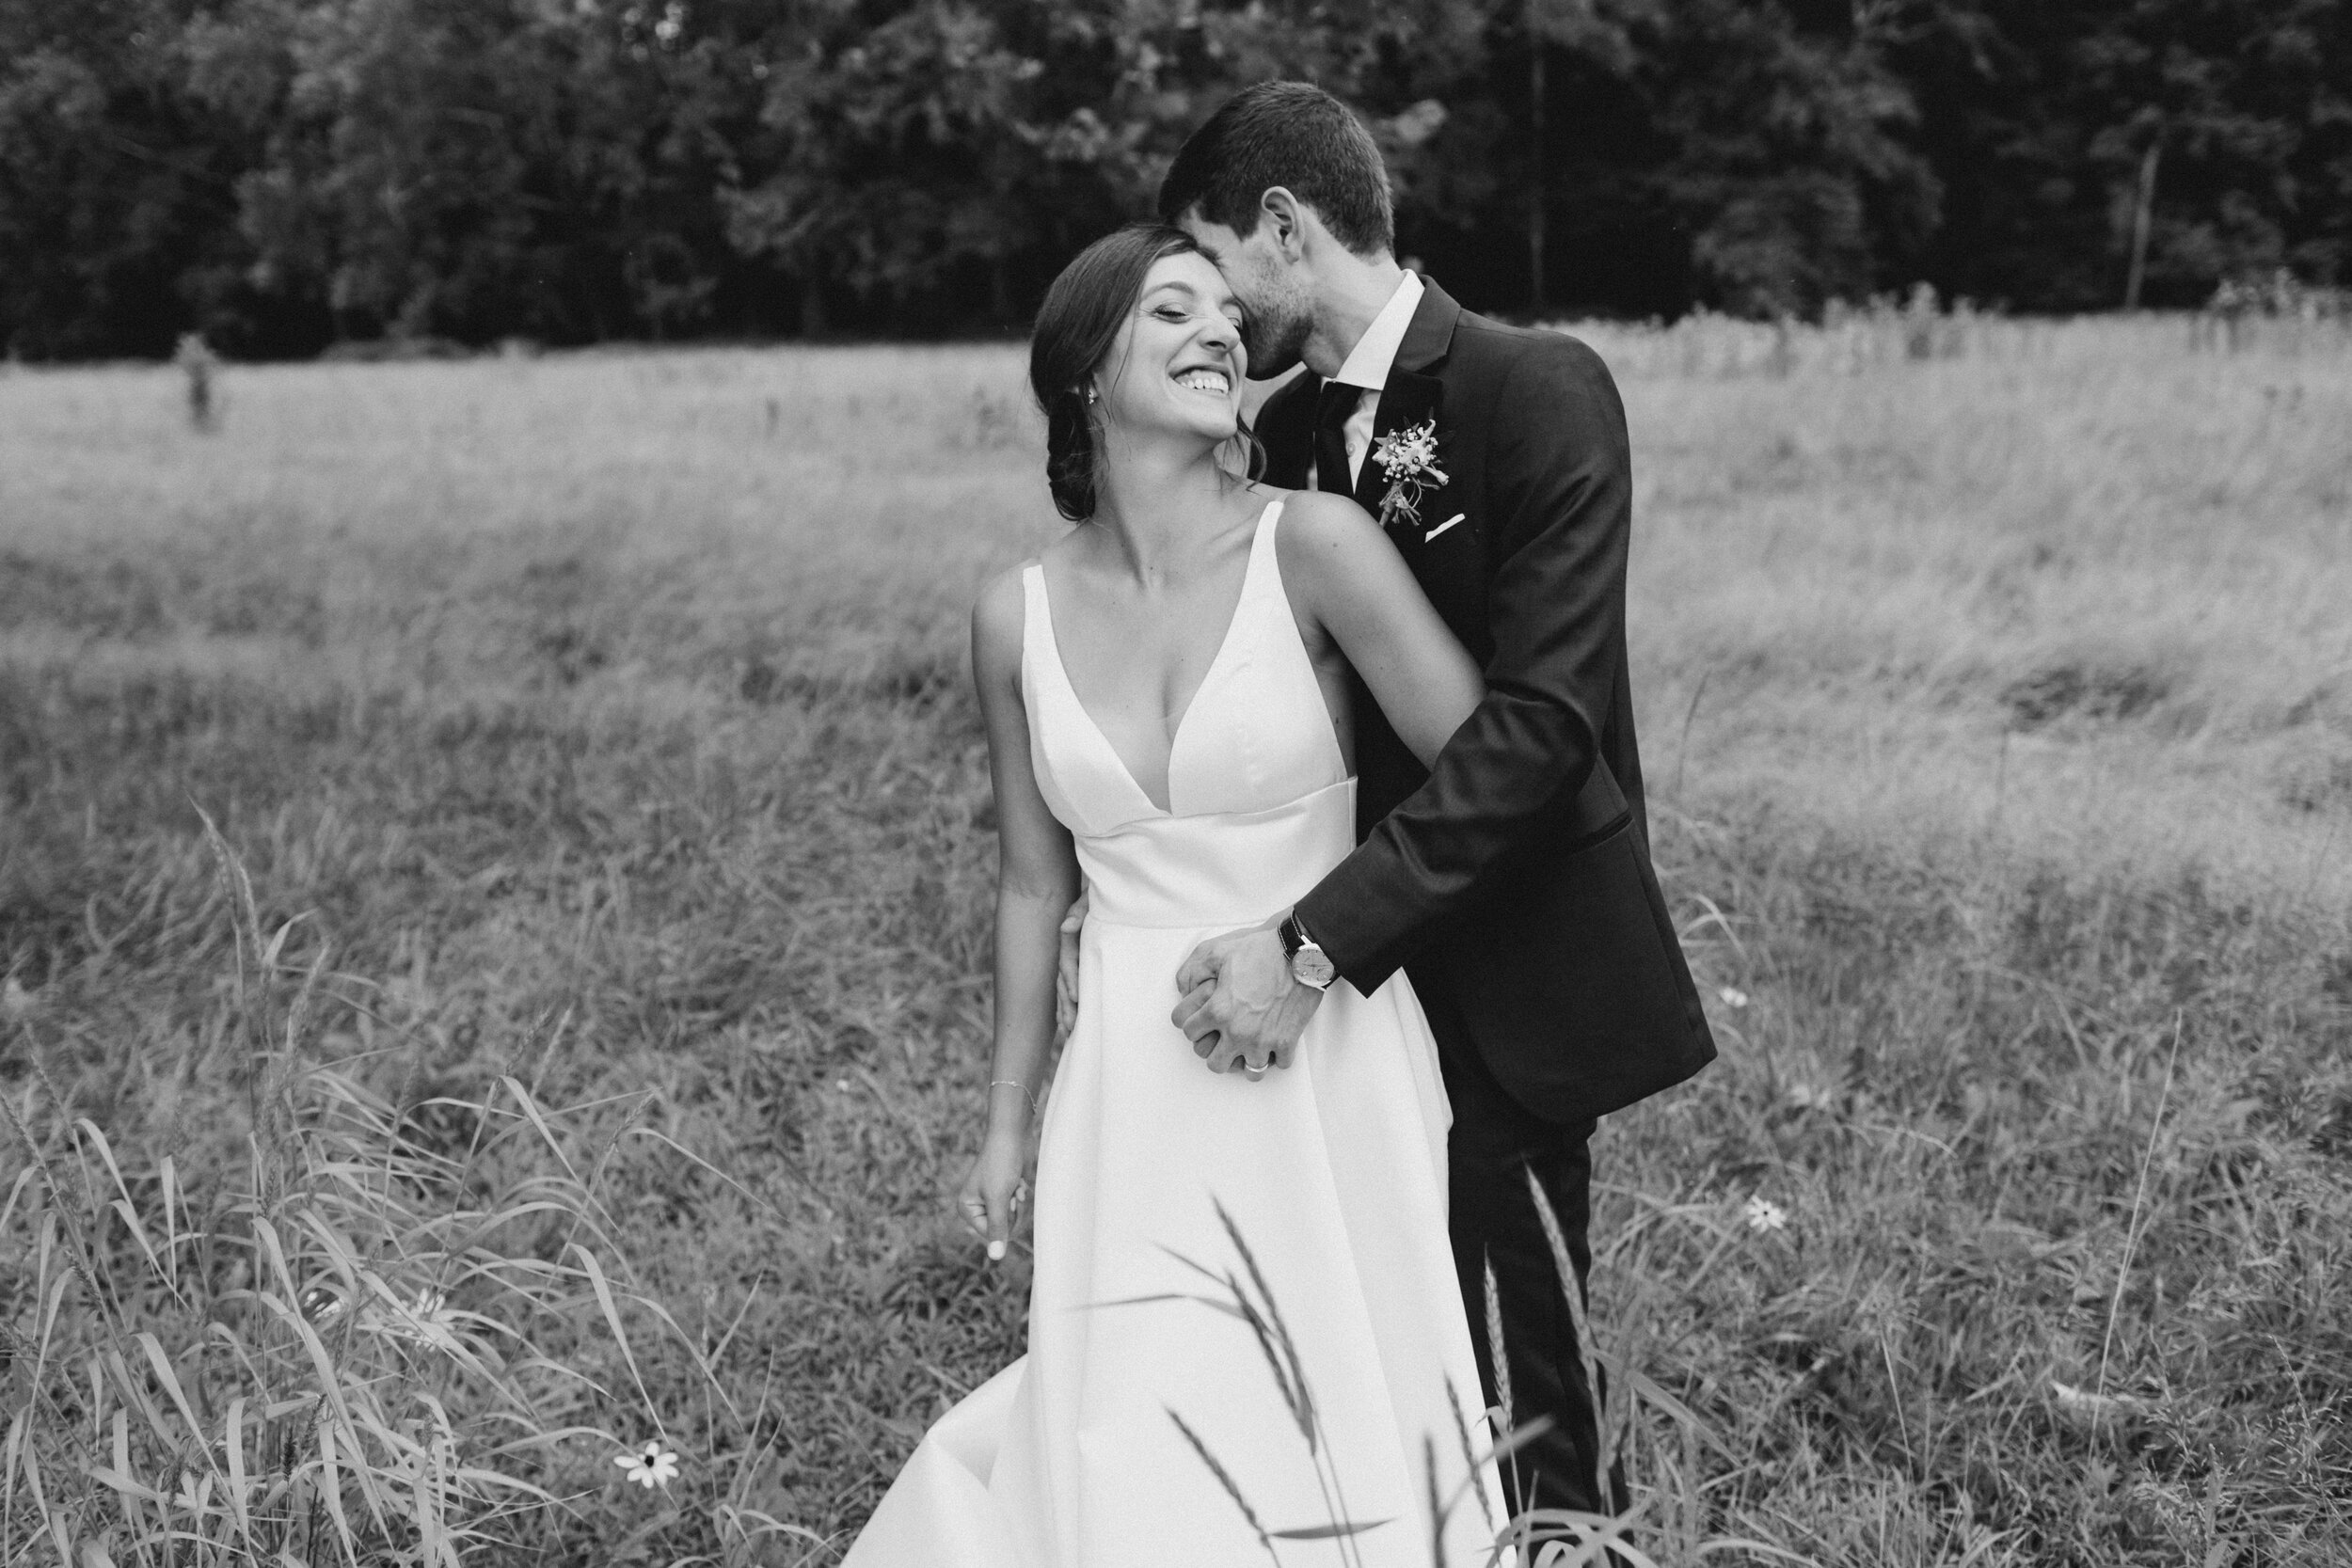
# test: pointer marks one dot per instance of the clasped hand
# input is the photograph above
(1240, 1006)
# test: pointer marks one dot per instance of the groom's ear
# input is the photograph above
(1285, 217)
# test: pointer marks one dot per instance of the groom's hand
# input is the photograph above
(1241, 1008)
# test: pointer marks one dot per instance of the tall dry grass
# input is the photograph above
(600, 721)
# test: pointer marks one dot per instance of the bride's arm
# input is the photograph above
(1356, 589)
(1036, 878)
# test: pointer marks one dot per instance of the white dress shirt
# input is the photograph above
(1368, 365)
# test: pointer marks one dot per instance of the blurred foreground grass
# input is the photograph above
(602, 720)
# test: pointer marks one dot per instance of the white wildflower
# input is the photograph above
(1763, 1215)
(649, 1467)
(425, 1320)
(1733, 996)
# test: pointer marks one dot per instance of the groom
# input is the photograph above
(1512, 880)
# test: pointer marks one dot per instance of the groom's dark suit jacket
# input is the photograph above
(1513, 877)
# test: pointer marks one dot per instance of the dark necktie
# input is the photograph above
(1337, 405)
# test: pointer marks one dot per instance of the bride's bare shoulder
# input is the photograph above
(997, 615)
(1320, 530)
(1323, 515)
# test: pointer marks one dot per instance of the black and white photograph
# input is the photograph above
(1176, 784)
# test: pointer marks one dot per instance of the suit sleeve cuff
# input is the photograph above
(1332, 920)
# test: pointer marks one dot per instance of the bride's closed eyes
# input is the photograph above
(1170, 311)
(1178, 313)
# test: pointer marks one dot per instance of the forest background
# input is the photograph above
(285, 176)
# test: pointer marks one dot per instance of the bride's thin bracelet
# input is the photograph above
(1015, 1083)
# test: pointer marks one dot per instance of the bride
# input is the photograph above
(1244, 1321)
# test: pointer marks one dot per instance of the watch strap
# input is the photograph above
(1294, 936)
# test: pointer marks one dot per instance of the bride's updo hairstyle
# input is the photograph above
(1076, 327)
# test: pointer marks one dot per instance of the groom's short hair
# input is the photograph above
(1289, 134)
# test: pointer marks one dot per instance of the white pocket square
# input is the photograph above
(1442, 527)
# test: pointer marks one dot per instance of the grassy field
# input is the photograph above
(600, 725)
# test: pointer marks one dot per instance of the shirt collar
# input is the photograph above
(1369, 361)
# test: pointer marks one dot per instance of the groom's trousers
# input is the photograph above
(1495, 1142)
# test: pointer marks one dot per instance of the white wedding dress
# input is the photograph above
(1333, 1171)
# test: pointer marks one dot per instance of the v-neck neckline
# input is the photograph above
(1217, 662)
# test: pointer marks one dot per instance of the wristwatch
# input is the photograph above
(1309, 964)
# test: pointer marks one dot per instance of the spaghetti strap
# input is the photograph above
(1033, 609)
(1268, 520)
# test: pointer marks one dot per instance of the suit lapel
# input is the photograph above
(1412, 394)
(1431, 333)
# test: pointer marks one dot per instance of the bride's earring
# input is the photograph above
(1093, 396)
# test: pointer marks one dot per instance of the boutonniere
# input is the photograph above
(1408, 458)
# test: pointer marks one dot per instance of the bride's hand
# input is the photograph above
(990, 1200)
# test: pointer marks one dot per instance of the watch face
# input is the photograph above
(1311, 966)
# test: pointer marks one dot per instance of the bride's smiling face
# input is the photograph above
(1178, 364)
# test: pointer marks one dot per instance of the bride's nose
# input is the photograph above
(1220, 333)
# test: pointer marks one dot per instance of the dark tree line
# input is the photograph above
(285, 174)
